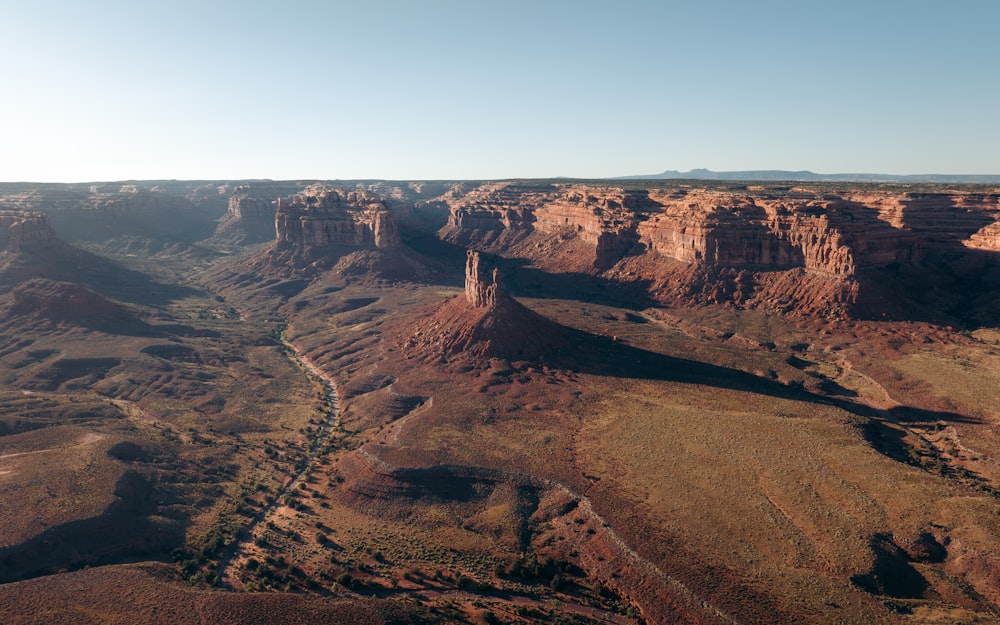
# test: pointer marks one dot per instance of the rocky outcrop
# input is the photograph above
(607, 218)
(248, 207)
(483, 324)
(133, 200)
(20, 230)
(135, 218)
(350, 233)
(987, 238)
(480, 292)
(603, 217)
(821, 235)
(826, 235)
(739, 243)
(324, 217)
(250, 212)
(259, 200)
(493, 207)
(940, 221)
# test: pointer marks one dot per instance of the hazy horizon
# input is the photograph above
(114, 91)
(889, 177)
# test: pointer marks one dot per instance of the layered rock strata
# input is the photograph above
(250, 212)
(822, 235)
(941, 221)
(248, 207)
(987, 238)
(837, 241)
(19, 230)
(259, 200)
(324, 216)
(134, 200)
(479, 291)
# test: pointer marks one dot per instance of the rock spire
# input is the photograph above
(480, 291)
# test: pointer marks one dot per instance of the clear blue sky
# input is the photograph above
(108, 90)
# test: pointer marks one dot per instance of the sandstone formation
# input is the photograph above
(350, 233)
(480, 292)
(415, 205)
(988, 238)
(259, 200)
(250, 211)
(129, 218)
(55, 198)
(941, 221)
(133, 200)
(19, 230)
(247, 207)
(485, 323)
(828, 235)
(323, 216)
(833, 242)
(493, 207)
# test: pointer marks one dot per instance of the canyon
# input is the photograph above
(500, 401)
(739, 246)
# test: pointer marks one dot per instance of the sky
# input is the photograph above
(114, 90)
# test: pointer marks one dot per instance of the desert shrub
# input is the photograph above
(126, 451)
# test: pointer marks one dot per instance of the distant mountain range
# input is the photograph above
(808, 176)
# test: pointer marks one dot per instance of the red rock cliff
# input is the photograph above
(820, 234)
(258, 200)
(752, 247)
(835, 235)
(19, 230)
(324, 216)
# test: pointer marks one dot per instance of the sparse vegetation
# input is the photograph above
(272, 432)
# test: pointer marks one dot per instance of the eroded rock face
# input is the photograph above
(823, 235)
(125, 218)
(987, 238)
(835, 236)
(941, 221)
(603, 217)
(250, 211)
(494, 207)
(480, 291)
(19, 230)
(248, 207)
(134, 200)
(777, 249)
(324, 216)
(259, 200)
